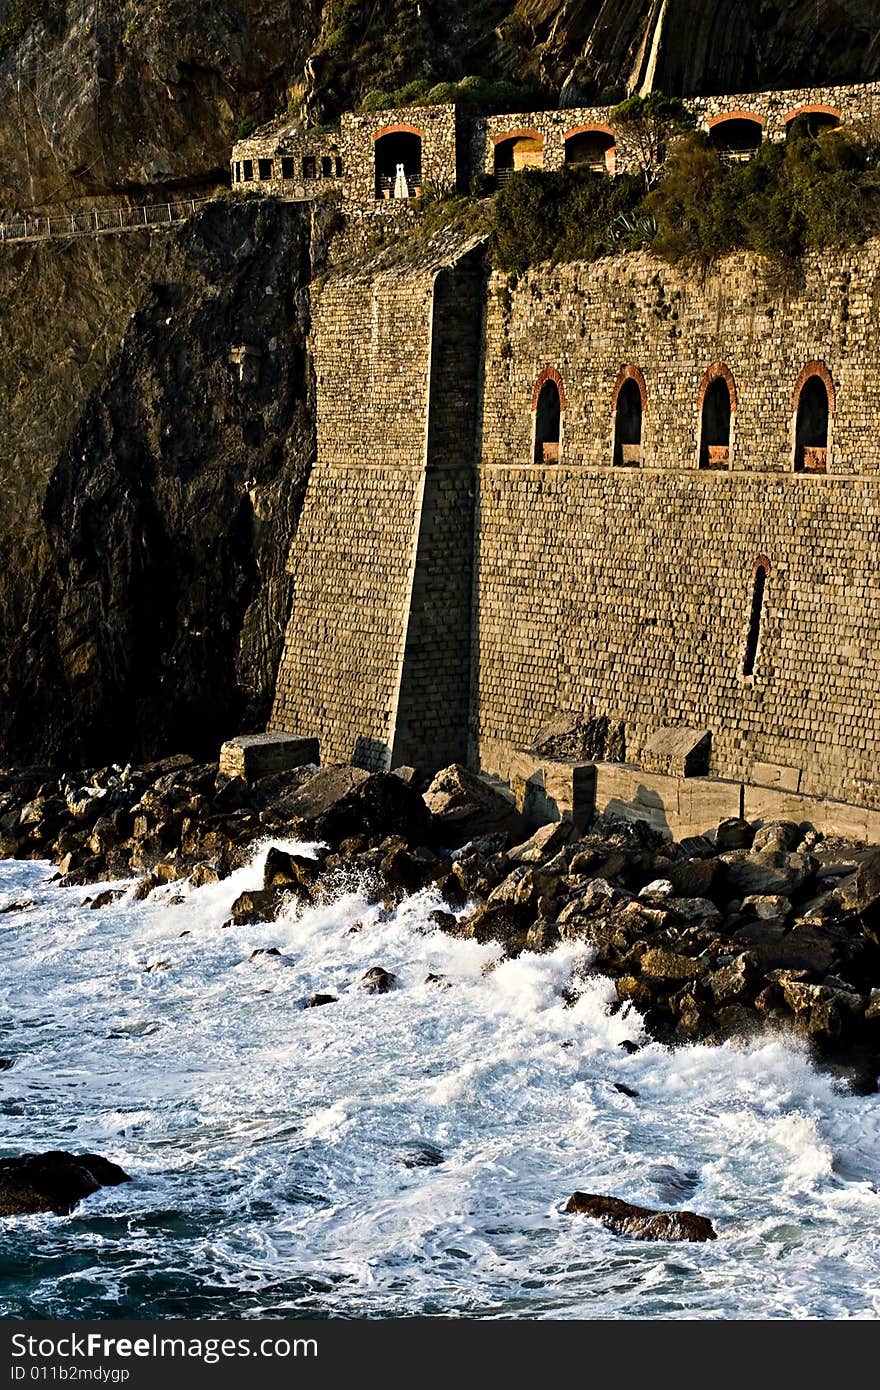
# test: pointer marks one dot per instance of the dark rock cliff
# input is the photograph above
(144, 593)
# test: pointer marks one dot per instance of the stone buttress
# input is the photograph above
(377, 659)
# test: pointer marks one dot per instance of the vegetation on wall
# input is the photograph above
(789, 198)
(809, 192)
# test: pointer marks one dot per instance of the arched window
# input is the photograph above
(737, 135)
(398, 153)
(521, 149)
(753, 636)
(717, 402)
(591, 147)
(628, 404)
(812, 404)
(548, 403)
(813, 120)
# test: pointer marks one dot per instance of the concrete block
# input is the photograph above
(256, 755)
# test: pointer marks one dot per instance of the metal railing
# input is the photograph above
(98, 223)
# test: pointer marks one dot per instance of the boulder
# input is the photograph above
(641, 1223)
(861, 891)
(693, 878)
(323, 790)
(259, 905)
(765, 905)
(378, 981)
(731, 981)
(53, 1182)
(546, 841)
(377, 806)
(294, 871)
(318, 1000)
(507, 922)
(734, 834)
(464, 804)
(777, 835)
(660, 964)
(765, 872)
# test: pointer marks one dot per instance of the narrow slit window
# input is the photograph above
(754, 635)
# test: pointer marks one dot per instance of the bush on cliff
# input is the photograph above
(567, 215)
(809, 192)
(790, 198)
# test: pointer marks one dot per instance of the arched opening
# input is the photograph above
(522, 150)
(736, 137)
(717, 404)
(813, 120)
(398, 164)
(548, 403)
(591, 149)
(753, 636)
(628, 425)
(811, 426)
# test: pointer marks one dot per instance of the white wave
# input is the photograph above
(401, 1153)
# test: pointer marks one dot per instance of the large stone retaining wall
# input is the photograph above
(627, 592)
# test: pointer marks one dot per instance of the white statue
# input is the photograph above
(401, 188)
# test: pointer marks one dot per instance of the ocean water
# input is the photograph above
(399, 1154)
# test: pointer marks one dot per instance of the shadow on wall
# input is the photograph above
(646, 805)
(371, 753)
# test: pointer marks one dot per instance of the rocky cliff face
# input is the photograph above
(144, 594)
(144, 96)
(130, 97)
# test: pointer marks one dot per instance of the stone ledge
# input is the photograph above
(256, 755)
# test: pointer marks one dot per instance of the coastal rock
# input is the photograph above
(259, 905)
(660, 964)
(641, 1223)
(734, 834)
(377, 806)
(545, 842)
(294, 871)
(317, 1001)
(378, 981)
(861, 892)
(53, 1182)
(765, 872)
(464, 804)
(777, 835)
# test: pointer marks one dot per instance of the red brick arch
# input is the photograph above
(762, 563)
(813, 109)
(584, 129)
(814, 369)
(399, 129)
(718, 369)
(518, 135)
(629, 373)
(548, 374)
(734, 116)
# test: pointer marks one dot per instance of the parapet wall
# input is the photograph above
(628, 592)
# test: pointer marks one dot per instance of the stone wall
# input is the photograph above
(627, 592)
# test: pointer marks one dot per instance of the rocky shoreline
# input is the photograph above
(744, 928)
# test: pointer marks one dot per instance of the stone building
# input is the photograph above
(613, 490)
(449, 146)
